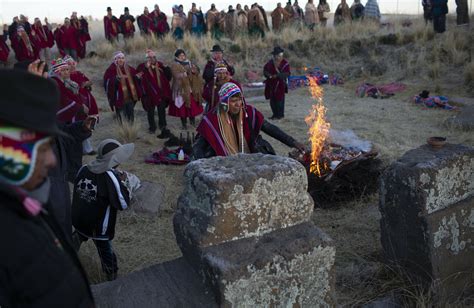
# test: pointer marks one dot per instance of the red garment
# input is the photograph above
(70, 103)
(57, 38)
(126, 25)
(183, 112)
(4, 50)
(207, 93)
(276, 87)
(44, 35)
(69, 38)
(111, 27)
(82, 28)
(209, 129)
(87, 97)
(113, 86)
(153, 94)
(22, 52)
(159, 21)
(146, 23)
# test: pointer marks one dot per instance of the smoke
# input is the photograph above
(348, 139)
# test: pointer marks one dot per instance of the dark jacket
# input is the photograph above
(38, 267)
(68, 153)
(202, 149)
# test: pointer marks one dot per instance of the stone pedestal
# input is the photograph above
(427, 225)
(149, 198)
(243, 224)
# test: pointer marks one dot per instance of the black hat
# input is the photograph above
(29, 101)
(109, 8)
(217, 48)
(178, 52)
(277, 50)
(126, 9)
(425, 94)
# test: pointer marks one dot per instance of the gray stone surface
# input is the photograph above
(291, 267)
(463, 120)
(229, 198)
(169, 284)
(149, 198)
(427, 207)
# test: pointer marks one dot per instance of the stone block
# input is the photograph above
(427, 224)
(235, 197)
(290, 267)
(463, 120)
(149, 198)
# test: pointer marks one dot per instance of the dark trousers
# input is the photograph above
(439, 23)
(278, 108)
(108, 259)
(127, 110)
(184, 121)
(161, 108)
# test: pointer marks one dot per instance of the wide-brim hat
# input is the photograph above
(29, 101)
(217, 48)
(277, 50)
(110, 154)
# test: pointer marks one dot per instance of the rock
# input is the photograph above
(149, 198)
(463, 120)
(291, 267)
(427, 207)
(169, 284)
(240, 196)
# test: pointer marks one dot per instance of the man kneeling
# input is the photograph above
(233, 127)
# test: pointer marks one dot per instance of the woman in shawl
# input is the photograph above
(186, 89)
(342, 14)
(323, 11)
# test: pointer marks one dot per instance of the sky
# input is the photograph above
(56, 10)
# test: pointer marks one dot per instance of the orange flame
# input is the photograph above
(318, 127)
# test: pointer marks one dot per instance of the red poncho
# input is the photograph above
(209, 129)
(207, 93)
(4, 50)
(87, 97)
(82, 28)
(146, 23)
(57, 38)
(276, 87)
(160, 24)
(156, 90)
(114, 87)
(24, 48)
(70, 103)
(111, 27)
(44, 35)
(69, 38)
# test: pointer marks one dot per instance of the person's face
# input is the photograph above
(235, 104)
(151, 60)
(278, 58)
(239, 7)
(218, 55)
(221, 75)
(45, 160)
(121, 60)
(67, 23)
(182, 57)
(72, 66)
(65, 73)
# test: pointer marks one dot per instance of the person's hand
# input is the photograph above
(87, 123)
(85, 109)
(118, 78)
(301, 147)
(139, 75)
(36, 68)
(86, 84)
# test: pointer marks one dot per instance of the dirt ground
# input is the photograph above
(393, 125)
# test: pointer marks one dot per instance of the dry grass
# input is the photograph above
(127, 132)
(417, 57)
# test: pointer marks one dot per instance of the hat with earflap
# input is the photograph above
(110, 154)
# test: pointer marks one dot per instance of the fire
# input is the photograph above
(318, 127)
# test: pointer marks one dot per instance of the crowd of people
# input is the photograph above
(434, 11)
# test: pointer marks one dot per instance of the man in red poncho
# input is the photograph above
(211, 90)
(44, 37)
(69, 38)
(82, 28)
(4, 50)
(23, 45)
(111, 26)
(71, 107)
(159, 22)
(145, 22)
(233, 127)
(277, 71)
(123, 88)
(126, 24)
(156, 92)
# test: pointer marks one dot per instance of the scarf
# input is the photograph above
(126, 82)
(233, 136)
(26, 40)
(157, 69)
(71, 85)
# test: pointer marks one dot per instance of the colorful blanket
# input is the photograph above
(381, 91)
(434, 101)
(167, 157)
(321, 78)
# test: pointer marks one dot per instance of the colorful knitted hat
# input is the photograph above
(18, 151)
(228, 90)
(68, 59)
(118, 54)
(20, 29)
(220, 67)
(58, 65)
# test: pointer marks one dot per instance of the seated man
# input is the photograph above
(233, 127)
(99, 191)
